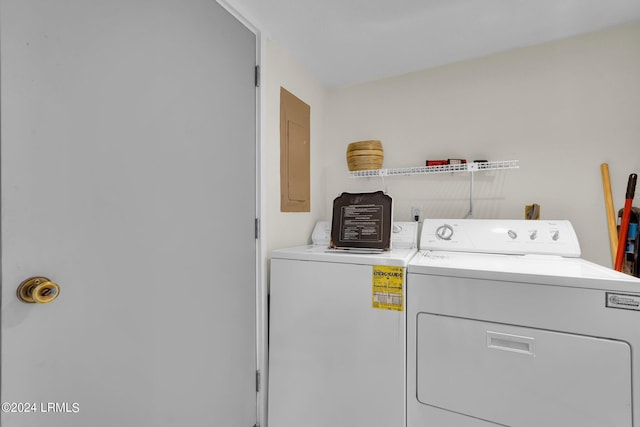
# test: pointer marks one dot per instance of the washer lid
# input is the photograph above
(396, 257)
(404, 239)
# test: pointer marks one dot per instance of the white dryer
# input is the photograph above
(506, 325)
(337, 334)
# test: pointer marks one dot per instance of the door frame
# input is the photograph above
(262, 314)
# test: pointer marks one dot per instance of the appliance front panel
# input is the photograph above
(334, 359)
(522, 376)
(492, 352)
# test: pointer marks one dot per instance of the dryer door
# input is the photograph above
(522, 376)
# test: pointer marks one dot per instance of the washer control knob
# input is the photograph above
(533, 235)
(555, 235)
(444, 232)
(512, 234)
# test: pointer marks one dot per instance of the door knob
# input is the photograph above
(39, 290)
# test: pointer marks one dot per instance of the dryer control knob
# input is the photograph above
(512, 234)
(555, 235)
(533, 235)
(444, 232)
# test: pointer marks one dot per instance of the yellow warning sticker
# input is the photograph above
(387, 287)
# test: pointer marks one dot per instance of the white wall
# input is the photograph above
(285, 229)
(561, 108)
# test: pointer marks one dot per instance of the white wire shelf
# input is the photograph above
(423, 170)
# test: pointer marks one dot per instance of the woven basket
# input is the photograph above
(365, 155)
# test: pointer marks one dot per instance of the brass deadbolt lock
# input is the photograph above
(39, 290)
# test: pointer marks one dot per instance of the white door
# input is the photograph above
(128, 178)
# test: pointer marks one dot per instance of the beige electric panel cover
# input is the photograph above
(295, 131)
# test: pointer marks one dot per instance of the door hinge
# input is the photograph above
(257, 381)
(257, 228)
(257, 76)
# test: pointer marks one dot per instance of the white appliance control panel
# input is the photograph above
(403, 234)
(321, 234)
(499, 236)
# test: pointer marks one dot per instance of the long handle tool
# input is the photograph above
(611, 213)
(624, 226)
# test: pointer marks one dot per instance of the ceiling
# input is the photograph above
(344, 42)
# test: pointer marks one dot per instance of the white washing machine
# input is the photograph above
(337, 334)
(507, 326)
